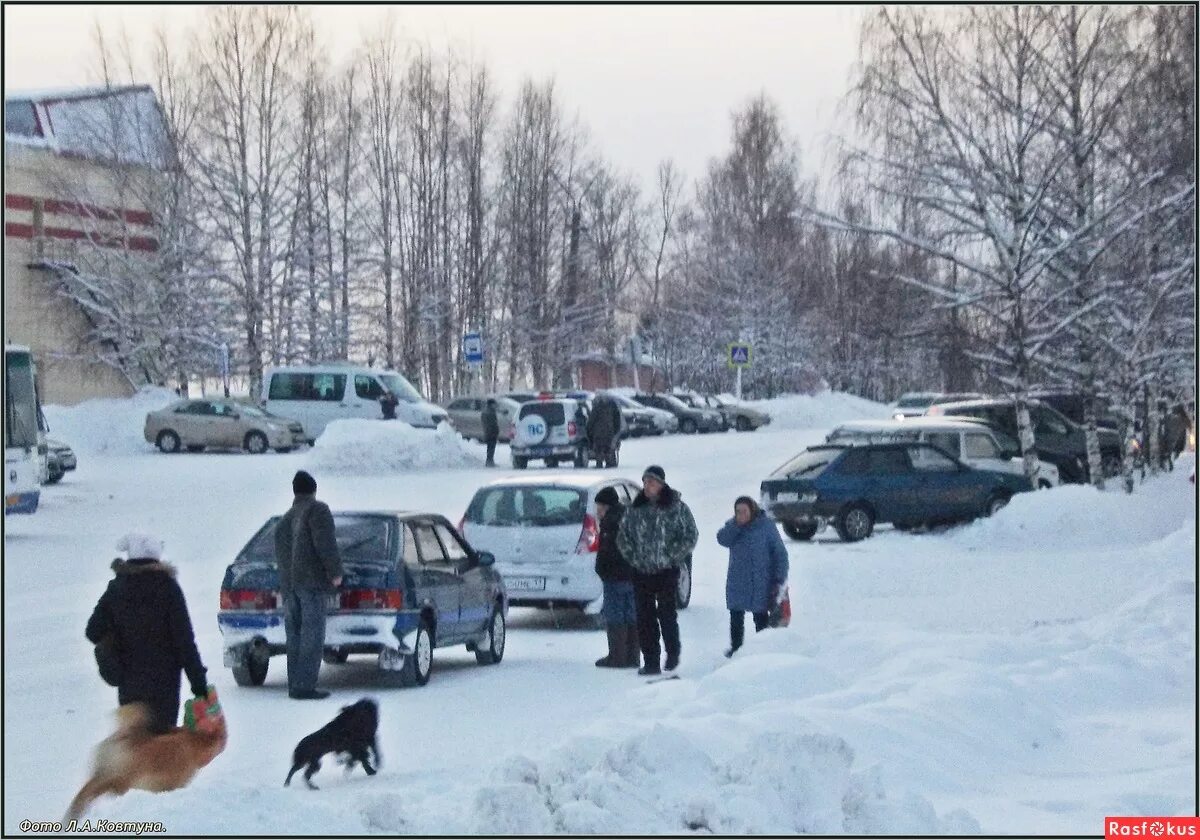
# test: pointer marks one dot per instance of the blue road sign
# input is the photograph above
(739, 354)
(473, 347)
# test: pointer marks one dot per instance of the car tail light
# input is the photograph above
(249, 599)
(934, 411)
(589, 537)
(572, 429)
(371, 599)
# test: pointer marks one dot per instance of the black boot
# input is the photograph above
(633, 653)
(650, 669)
(616, 647)
(672, 661)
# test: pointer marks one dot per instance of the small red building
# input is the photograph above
(596, 371)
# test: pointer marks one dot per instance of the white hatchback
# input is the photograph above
(544, 534)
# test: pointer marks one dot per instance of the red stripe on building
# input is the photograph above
(71, 208)
(134, 243)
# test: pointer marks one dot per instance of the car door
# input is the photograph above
(226, 425)
(980, 450)
(197, 424)
(474, 606)
(438, 581)
(893, 484)
(944, 490)
(363, 398)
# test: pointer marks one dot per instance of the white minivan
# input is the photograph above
(316, 395)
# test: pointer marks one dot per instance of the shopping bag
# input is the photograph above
(780, 614)
(201, 714)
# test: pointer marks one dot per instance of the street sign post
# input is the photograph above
(224, 361)
(740, 356)
(473, 353)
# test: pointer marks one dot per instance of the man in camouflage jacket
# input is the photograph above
(656, 538)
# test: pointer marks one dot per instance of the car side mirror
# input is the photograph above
(485, 558)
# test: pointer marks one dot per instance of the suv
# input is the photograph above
(551, 429)
(1058, 439)
(544, 534)
(1070, 404)
(410, 584)
(691, 420)
(855, 487)
(969, 440)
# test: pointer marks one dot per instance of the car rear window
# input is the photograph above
(551, 412)
(538, 506)
(360, 539)
(809, 463)
(923, 401)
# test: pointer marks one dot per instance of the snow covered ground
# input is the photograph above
(1028, 674)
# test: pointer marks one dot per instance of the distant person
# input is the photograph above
(491, 430)
(388, 403)
(656, 538)
(758, 568)
(310, 567)
(142, 623)
(616, 575)
(604, 428)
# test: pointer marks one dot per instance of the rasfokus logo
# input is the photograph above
(1151, 827)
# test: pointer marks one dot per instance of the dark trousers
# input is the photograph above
(164, 707)
(737, 626)
(491, 452)
(654, 597)
(304, 624)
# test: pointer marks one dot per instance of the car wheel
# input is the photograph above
(419, 663)
(854, 523)
(168, 441)
(256, 443)
(803, 531)
(995, 503)
(743, 424)
(688, 427)
(496, 636)
(519, 462)
(334, 657)
(683, 590)
(252, 671)
(551, 462)
(1043, 484)
(195, 447)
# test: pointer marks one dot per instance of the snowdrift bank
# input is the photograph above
(819, 411)
(375, 447)
(109, 426)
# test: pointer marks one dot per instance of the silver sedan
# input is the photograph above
(220, 424)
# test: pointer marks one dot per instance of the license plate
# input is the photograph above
(787, 497)
(526, 584)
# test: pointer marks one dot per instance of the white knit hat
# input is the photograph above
(139, 545)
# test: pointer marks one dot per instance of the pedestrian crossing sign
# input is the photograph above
(739, 354)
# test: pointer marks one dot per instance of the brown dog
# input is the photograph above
(133, 758)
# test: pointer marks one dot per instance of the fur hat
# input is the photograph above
(657, 472)
(139, 545)
(607, 496)
(303, 483)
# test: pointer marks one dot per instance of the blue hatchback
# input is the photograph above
(411, 583)
(906, 484)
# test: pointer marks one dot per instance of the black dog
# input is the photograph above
(351, 732)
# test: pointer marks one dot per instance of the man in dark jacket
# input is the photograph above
(491, 430)
(310, 568)
(144, 613)
(604, 428)
(620, 615)
(656, 538)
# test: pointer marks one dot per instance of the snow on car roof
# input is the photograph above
(909, 423)
(585, 480)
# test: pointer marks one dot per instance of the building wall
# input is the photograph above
(51, 202)
(595, 375)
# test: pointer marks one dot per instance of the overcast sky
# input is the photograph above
(649, 82)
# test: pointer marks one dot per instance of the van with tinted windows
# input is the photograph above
(316, 395)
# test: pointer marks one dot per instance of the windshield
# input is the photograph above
(401, 387)
(916, 401)
(360, 539)
(808, 464)
(624, 401)
(20, 403)
(675, 402)
(542, 506)
(689, 400)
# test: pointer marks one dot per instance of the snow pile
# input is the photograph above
(375, 447)
(819, 411)
(108, 426)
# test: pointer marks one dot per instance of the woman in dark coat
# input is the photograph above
(758, 568)
(144, 612)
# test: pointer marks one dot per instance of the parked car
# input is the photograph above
(691, 420)
(66, 455)
(714, 419)
(971, 441)
(651, 421)
(1058, 440)
(411, 584)
(544, 534)
(917, 404)
(739, 415)
(466, 415)
(1070, 405)
(319, 394)
(554, 430)
(857, 487)
(220, 424)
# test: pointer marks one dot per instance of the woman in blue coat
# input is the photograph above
(758, 568)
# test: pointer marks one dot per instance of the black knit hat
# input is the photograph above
(656, 471)
(607, 496)
(303, 483)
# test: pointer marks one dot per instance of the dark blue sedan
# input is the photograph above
(411, 583)
(906, 484)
